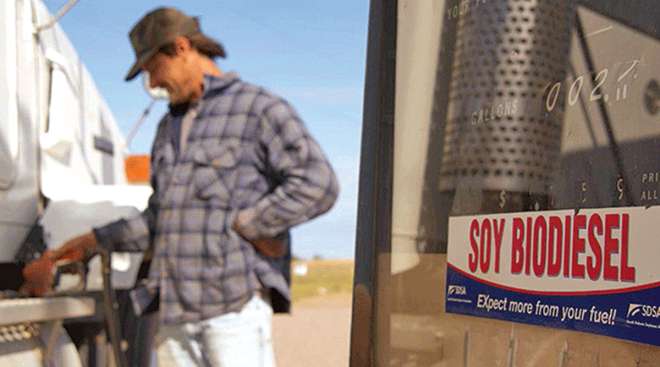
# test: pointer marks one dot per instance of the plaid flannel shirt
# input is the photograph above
(247, 152)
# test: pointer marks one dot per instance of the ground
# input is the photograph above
(317, 332)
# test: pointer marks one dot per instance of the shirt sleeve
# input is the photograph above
(308, 186)
(129, 235)
(134, 234)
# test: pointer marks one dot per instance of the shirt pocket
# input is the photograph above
(215, 172)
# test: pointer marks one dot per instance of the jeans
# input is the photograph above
(237, 339)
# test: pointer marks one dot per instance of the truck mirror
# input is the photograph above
(137, 169)
(155, 93)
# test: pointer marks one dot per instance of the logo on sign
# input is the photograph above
(457, 290)
(635, 309)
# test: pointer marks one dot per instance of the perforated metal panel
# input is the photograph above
(499, 134)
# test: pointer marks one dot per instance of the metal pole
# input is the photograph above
(138, 123)
(111, 309)
(65, 9)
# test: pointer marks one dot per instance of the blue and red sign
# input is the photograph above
(595, 271)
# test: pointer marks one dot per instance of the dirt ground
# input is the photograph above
(315, 334)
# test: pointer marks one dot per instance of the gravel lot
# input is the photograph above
(315, 334)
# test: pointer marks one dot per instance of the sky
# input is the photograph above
(311, 52)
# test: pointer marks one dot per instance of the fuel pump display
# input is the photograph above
(509, 190)
(578, 139)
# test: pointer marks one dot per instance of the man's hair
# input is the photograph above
(204, 45)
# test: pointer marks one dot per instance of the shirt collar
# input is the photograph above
(212, 85)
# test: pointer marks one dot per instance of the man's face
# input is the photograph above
(170, 73)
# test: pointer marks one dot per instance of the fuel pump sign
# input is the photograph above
(594, 271)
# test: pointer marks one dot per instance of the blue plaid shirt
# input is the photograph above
(248, 156)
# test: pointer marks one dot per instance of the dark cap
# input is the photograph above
(156, 29)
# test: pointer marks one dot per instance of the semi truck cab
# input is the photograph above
(62, 171)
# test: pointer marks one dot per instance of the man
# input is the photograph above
(233, 168)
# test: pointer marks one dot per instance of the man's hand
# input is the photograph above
(270, 247)
(38, 276)
(39, 273)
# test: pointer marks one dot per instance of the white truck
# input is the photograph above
(61, 172)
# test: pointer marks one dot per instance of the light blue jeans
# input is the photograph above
(237, 339)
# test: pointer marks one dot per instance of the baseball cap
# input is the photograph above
(158, 28)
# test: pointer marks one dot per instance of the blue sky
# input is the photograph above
(311, 52)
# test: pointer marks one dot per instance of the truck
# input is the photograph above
(508, 202)
(62, 171)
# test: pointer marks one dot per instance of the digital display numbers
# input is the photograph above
(617, 91)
